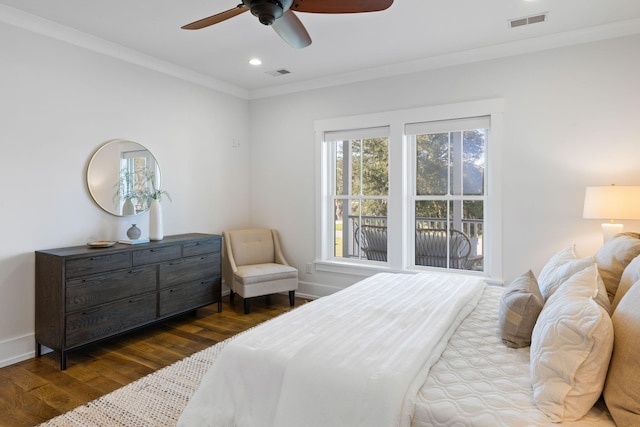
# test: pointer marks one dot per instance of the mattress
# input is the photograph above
(478, 381)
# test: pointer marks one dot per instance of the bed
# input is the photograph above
(441, 349)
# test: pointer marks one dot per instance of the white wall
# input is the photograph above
(58, 104)
(571, 121)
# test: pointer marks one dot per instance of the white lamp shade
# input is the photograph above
(612, 202)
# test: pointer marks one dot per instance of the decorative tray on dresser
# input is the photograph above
(88, 294)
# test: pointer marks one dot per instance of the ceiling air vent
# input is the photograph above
(280, 72)
(519, 22)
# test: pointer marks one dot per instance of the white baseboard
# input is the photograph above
(315, 290)
(17, 349)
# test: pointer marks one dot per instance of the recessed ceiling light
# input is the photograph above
(255, 62)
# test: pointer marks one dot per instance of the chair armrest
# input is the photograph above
(229, 252)
(279, 257)
(229, 267)
(472, 262)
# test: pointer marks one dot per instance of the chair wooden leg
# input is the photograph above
(292, 298)
(246, 306)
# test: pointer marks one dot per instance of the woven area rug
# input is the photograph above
(155, 400)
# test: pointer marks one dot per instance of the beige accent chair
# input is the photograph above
(254, 265)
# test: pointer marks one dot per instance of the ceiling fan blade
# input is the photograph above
(289, 27)
(219, 17)
(341, 6)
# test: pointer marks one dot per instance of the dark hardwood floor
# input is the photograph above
(36, 390)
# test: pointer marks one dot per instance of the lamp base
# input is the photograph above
(609, 230)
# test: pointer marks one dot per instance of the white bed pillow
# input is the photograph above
(586, 283)
(559, 268)
(614, 256)
(570, 350)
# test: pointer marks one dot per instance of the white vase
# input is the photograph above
(155, 221)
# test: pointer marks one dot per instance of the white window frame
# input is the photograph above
(400, 187)
(441, 126)
(350, 135)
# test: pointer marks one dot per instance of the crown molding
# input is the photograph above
(35, 24)
(515, 48)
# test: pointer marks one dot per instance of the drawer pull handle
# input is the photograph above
(135, 300)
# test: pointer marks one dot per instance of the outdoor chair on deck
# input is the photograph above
(254, 265)
(374, 242)
(431, 249)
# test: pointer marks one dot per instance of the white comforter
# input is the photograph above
(354, 358)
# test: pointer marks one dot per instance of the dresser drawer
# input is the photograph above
(154, 255)
(98, 289)
(188, 269)
(109, 319)
(97, 264)
(201, 247)
(189, 296)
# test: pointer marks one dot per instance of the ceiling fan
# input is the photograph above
(279, 14)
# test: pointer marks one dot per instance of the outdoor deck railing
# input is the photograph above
(351, 248)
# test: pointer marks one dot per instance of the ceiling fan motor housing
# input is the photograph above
(268, 11)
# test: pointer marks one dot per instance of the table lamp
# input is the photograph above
(612, 202)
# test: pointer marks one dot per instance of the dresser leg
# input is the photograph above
(38, 349)
(63, 360)
(220, 306)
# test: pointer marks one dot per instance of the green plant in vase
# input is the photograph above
(155, 192)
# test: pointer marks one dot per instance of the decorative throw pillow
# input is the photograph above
(622, 389)
(614, 256)
(518, 311)
(559, 268)
(570, 352)
(630, 275)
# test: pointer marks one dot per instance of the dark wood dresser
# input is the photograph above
(84, 295)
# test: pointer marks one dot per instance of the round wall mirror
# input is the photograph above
(121, 176)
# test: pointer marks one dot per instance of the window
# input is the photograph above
(411, 190)
(448, 195)
(360, 164)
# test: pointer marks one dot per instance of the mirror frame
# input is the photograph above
(120, 176)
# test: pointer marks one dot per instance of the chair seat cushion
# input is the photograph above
(260, 273)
